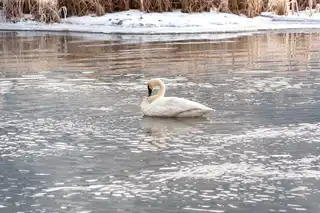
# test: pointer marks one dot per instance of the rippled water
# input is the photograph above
(72, 138)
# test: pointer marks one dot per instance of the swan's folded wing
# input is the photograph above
(173, 106)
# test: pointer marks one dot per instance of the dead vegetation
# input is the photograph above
(41, 10)
(13, 9)
(53, 10)
(254, 8)
(189, 6)
(84, 7)
(45, 10)
(156, 5)
(279, 6)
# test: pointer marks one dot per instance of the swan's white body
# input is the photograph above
(160, 106)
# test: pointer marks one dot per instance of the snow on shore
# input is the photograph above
(136, 22)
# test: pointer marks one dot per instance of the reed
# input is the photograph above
(53, 10)
(254, 7)
(120, 5)
(279, 7)
(97, 7)
(13, 9)
(45, 10)
(82, 7)
(238, 6)
(155, 5)
(190, 6)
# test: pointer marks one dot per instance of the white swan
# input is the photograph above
(160, 106)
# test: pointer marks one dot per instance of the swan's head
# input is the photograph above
(152, 84)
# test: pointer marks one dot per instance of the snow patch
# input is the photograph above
(136, 22)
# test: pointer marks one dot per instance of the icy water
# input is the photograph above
(73, 140)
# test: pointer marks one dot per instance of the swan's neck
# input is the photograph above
(160, 94)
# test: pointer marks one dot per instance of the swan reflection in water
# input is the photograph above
(158, 126)
(159, 130)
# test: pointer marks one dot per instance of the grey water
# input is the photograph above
(73, 139)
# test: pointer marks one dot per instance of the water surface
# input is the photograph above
(73, 139)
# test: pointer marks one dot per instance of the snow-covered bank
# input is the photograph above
(135, 22)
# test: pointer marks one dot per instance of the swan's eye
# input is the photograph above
(149, 90)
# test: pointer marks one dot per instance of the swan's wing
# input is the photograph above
(173, 106)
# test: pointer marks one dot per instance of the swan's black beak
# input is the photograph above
(149, 90)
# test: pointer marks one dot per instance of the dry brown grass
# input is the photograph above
(120, 5)
(13, 9)
(154, 5)
(45, 10)
(304, 4)
(238, 6)
(82, 7)
(98, 7)
(189, 6)
(52, 10)
(42, 10)
(279, 7)
(254, 7)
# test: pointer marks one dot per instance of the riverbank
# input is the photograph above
(136, 22)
